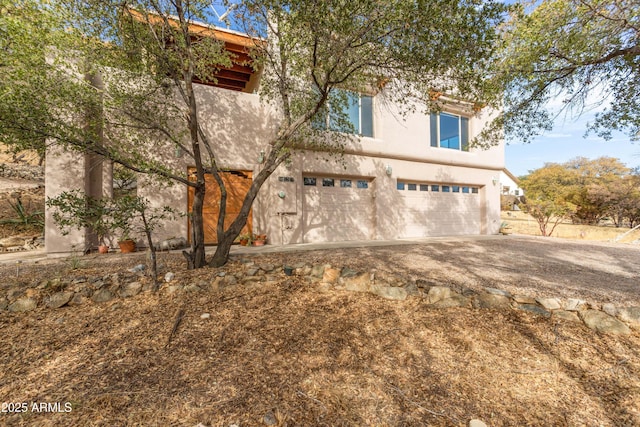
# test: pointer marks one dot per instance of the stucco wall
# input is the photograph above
(239, 127)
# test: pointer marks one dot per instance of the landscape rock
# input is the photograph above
(252, 271)
(574, 304)
(389, 292)
(192, 288)
(138, 268)
(270, 419)
(77, 299)
(14, 294)
(331, 275)
(453, 301)
(477, 423)
(348, 272)
(438, 293)
(11, 241)
(229, 280)
(411, 288)
(317, 271)
(205, 316)
(359, 283)
(98, 284)
(523, 299)
(571, 316)
(267, 267)
(550, 303)
(494, 291)
(172, 289)
(491, 301)
(60, 299)
(23, 304)
(172, 244)
(602, 322)
(610, 309)
(3, 304)
(169, 276)
(130, 290)
(535, 309)
(102, 295)
(631, 315)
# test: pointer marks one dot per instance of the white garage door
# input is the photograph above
(337, 209)
(437, 209)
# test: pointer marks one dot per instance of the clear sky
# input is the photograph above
(567, 141)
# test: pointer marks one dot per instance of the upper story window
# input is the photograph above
(449, 131)
(358, 113)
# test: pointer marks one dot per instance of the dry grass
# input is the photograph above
(523, 223)
(308, 358)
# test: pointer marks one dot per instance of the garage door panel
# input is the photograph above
(429, 213)
(337, 213)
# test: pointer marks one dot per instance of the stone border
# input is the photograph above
(605, 318)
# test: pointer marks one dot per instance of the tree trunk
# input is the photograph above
(221, 255)
(154, 262)
(197, 225)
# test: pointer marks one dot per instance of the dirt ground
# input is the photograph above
(289, 354)
(522, 223)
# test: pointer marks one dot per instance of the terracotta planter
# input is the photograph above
(103, 249)
(127, 246)
(244, 242)
(258, 243)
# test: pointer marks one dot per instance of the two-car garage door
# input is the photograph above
(337, 209)
(437, 209)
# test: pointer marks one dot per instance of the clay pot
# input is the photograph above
(103, 249)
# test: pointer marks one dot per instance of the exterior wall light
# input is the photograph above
(282, 194)
(261, 156)
(494, 180)
(389, 170)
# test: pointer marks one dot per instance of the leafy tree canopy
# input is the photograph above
(575, 51)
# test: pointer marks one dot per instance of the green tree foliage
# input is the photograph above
(547, 192)
(604, 173)
(585, 191)
(573, 50)
(28, 29)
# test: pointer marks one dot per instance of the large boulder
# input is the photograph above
(631, 315)
(103, 295)
(389, 292)
(23, 304)
(130, 289)
(492, 301)
(438, 293)
(60, 299)
(359, 283)
(602, 322)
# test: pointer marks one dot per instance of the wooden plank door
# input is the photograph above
(237, 184)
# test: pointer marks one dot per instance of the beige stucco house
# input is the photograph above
(405, 176)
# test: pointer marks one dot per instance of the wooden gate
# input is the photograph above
(237, 184)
